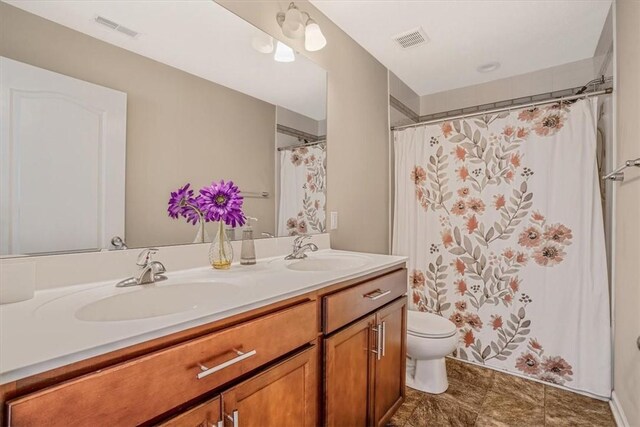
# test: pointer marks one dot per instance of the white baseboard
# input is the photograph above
(618, 413)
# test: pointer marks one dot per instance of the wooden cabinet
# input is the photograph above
(260, 368)
(143, 388)
(347, 305)
(207, 414)
(365, 368)
(347, 371)
(285, 395)
(389, 378)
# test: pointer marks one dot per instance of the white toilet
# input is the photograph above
(429, 339)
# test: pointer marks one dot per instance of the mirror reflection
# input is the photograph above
(114, 105)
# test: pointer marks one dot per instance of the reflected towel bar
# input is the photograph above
(617, 174)
(255, 195)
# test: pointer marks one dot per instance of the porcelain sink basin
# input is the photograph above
(152, 301)
(328, 263)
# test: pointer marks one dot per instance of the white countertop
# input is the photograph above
(43, 333)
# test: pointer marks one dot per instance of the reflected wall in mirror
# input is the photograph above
(116, 104)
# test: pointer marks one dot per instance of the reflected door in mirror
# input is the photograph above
(63, 162)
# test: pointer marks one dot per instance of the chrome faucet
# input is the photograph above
(150, 271)
(299, 249)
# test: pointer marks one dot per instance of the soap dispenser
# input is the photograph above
(248, 251)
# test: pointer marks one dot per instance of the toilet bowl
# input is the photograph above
(429, 339)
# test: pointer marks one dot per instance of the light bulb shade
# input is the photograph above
(313, 37)
(292, 26)
(284, 53)
(263, 43)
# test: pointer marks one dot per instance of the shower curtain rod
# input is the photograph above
(304, 144)
(511, 107)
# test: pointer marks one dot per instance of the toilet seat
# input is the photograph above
(429, 325)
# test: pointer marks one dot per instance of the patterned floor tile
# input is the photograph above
(469, 373)
(482, 397)
(500, 409)
(466, 395)
(564, 408)
(440, 412)
(412, 399)
(519, 388)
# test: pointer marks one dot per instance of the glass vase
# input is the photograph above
(221, 251)
(201, 236)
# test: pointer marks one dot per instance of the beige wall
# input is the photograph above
(180, 128)
(296, 121)
(357, 127)
(552, 79)
(627, 211)
(403, 93)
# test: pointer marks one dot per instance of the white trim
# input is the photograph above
(614, 196)
(616, 410)
(391, 168)
(515, 374)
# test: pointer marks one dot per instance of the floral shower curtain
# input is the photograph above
(500, 216)
(302, 190)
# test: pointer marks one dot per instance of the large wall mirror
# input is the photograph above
(109, 106)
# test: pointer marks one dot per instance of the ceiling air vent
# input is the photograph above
(117, 27)
(412, 38)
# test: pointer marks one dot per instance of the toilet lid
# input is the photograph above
(429, 325)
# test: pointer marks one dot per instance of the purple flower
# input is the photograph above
(222, 202)
(183, 204)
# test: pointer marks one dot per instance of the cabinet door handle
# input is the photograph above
(241, 356)
(384, 337)
(378, 351)
(233, 418)
(378, 293)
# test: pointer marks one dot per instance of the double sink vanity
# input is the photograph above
(314, 341)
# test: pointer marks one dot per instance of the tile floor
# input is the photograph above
(483, 397)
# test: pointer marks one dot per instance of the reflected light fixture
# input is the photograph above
(284, 53)
(296, 24)
(263, 43)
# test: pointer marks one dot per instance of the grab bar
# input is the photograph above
(617, 174)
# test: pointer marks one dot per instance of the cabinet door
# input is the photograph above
(204, 415)
(284, 395)
(347, 375)
(390, 363)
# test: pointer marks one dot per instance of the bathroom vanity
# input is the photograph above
(305, 348)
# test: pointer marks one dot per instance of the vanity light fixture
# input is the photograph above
(296, 24)
(284, 53)
(313, 38)
(292, 25)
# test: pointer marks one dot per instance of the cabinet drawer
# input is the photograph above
(143, 388)
(352, 303)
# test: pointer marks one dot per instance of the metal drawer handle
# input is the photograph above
(378, 293)
(379, 350)
(384, 337)
(241, 356)
(233, 418)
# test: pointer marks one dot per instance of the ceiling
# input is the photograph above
(201, 38)
(523, 35)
